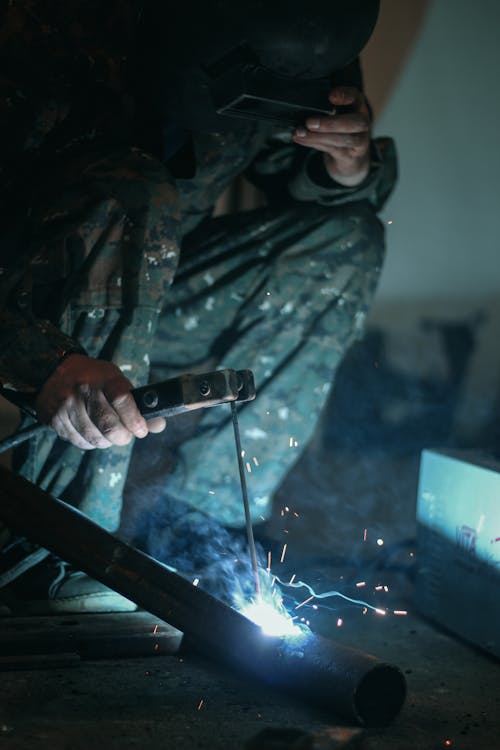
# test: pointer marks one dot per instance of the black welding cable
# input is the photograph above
(21, 436)
(26, 405)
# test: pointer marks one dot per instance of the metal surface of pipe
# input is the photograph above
(348, 682)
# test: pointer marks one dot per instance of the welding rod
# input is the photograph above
(348, 682)
(246, 505)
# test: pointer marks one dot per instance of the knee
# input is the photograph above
(350, 235)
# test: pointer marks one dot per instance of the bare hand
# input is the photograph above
(88, 402)
(343, 137)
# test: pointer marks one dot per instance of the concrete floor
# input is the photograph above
(185, 702)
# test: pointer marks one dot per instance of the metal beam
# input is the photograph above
(348, 682)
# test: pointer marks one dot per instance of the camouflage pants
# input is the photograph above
(282, 292)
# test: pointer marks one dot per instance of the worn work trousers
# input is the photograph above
(281, 290)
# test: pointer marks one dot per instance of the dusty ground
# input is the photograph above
(183, 701)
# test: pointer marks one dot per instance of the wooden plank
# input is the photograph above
(90, 636)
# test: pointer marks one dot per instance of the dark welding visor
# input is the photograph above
(254, 93)
(218, 60)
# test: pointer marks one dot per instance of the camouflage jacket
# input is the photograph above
(64, 89)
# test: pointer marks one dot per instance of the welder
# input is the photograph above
(121, 127)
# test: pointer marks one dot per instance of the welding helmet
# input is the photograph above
(215, 61)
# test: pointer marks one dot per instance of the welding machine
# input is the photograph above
(458, 545)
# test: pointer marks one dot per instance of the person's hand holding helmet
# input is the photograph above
(343, 136)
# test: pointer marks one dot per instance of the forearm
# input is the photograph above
(30, 350)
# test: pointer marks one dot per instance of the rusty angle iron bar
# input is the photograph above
(350, 683)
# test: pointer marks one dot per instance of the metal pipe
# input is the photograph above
(348, 682)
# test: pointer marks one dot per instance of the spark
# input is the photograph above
(390, 221)
(155, 629)
(254, 459)
(200, 704)
(306, 601)
(400, 612)
(196, 581)
(285, 531)
(447, 743)
(291, 441)
(249, 468)
(364, 534)
(156, 646)
(270, 614)
(287, 509)
(295, 514)
(380, 542)
(379, 588)
(211, 492)
(328, 594)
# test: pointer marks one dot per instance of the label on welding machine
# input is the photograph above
(458, 545)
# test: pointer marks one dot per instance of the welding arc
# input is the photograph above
(246, 506)
(343, 680)
(326, 594)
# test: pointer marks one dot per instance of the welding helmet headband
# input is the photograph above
(213, 61)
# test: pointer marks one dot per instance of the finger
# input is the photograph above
(345, 95)
(356, 143)
(351, 99)
(62, 425)
(90, 415)
(106, 420)
(156, 425)
(353, 122)
(125, 407)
